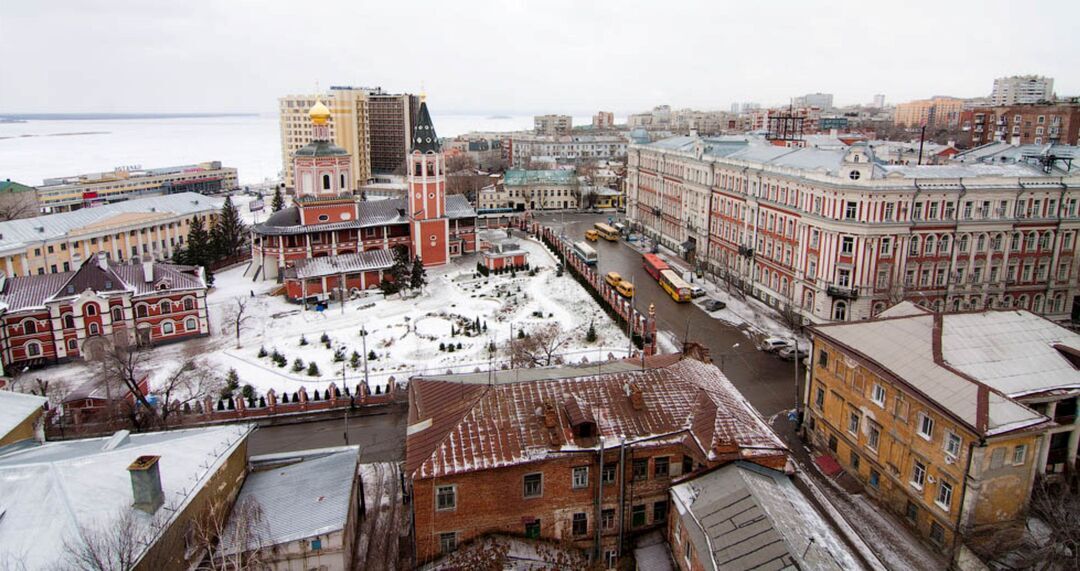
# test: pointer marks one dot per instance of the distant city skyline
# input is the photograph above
(516, 58)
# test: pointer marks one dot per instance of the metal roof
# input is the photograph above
(15, 408)
(371, 213)
(300, 494)
(344, 264)
(518, 177)
(744, 516)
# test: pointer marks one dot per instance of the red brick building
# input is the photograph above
(328, 221)
(504, 254)
(57, 317)
(1023, 124)
(568, 454)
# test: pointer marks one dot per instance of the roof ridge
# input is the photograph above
(457, 422)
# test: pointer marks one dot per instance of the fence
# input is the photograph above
(642, 326)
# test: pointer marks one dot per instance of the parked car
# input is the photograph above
(713, 305)
(790, 353)
(696, 292)
(774, 344)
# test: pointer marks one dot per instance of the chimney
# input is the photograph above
(637, 399)
(146, 484)
(102, 260)
(148, 271)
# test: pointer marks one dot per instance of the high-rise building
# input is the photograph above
(819, 100)
(938, 111)
(1022, 89)
(603, 120)
(348, 126)
(390, 120)
(553, 124)
(879, 101)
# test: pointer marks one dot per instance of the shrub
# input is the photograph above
(248, 391)
(521, 334)
(371, 355)
(262, 352)
(339, 355)
(459, 345)
(298, 365)
(450, 348)
(590, 335)
(262, 402)
(303, 340)
(354, 360)
(313, 371)
(442, 346)
(325, 338)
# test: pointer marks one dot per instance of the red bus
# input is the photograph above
(654, 265)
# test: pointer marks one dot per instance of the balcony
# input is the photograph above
(744, 251)
(842, 292)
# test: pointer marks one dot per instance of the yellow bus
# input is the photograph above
(625, 288)
(613, 279)
(607, 232)
(678, 289)
(591, 235)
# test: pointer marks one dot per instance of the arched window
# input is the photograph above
(914, 249)
(140, 310)
(964, 243)
(94, 329)
(167, 328)
(981, 243)
(943, 246)
(342, 182)
(929, 245)
(326, 182)
(1022, 302)
(29, 326)
(189, 304)
(69, 321)
(72, 345)
(190, 324)
(33, 349)
(840, 311)
(90, 309)
(1037, 306)
(166, 306)
(117, 314)
(1031, 241)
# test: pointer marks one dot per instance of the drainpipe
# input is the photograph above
(599, 499)
(622, 493)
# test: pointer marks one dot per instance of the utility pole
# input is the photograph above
(922, 138)
(346, 410)
(363, 340)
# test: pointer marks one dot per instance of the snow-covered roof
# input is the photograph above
(300, 495)
(26, 231)
(51, 492)
(370, 213)
(15, 408)
(745, 516)
(905, 346)
(371, 260)
(904, 309)
(462, 427)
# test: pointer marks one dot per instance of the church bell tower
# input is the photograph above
(429, 226)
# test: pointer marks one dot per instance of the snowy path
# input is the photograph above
(378, 541)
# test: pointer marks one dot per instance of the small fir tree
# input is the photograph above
(298, 365)
(313, 371)
(590, 335)
(418, 275)
(278, 202)
(303, 341)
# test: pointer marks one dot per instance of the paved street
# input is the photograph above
(766, 381)
(381, 436)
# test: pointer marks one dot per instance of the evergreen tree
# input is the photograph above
(298, 365)
(354, 360)
(590, 335)
(278, 202)
(313, 371)
(418, 278)
(229, 232)
(399, 272)
(200, 248)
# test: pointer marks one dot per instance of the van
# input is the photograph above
(613, 279)
(592, 235)
(625, 288)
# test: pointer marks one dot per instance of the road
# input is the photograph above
(381, 436)
(766, 381)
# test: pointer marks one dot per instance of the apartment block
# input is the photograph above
(553, 124)
(391, 119)
(1022, 89)
(349, 129)
(603, 120)
(937, 112)
(1023, 124)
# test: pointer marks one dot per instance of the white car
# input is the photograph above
(696, 292)
(773, 344)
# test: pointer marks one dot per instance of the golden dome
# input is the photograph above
(319, 113)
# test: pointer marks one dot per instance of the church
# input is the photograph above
(330, 237)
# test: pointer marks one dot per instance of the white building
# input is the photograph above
(1021, 89)
(566, 148)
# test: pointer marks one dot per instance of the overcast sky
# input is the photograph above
(521, 57)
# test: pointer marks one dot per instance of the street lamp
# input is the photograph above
(722, 355)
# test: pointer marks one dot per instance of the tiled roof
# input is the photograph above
(458, 206)
(459, 427)
(343, 264)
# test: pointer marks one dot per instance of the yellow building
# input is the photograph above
(148, 228)
(20, 416)
(940, 112)
(914, 406)
(94, 189)
(349, 128)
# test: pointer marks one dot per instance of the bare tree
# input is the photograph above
(233, 540)
(114, 546)
(123, 368)
(190, 382)
(236, 317)
(540, 347)
(459, 163)
(1055, 547)
(18, 205)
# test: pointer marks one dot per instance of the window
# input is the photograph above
(855, 461)
(33, 349)
(611, 558)
(117, 314)
(1019, 455)
(607, 518)
(912, 511)
(608, 475)
(445, 498)
(853, 422)
(448, 542)
(823, 359)
(944, 495)
(661, 467)
(875, 478)
(847, 246)
(888, 211)
(877, 394)
(140, 311)
(581, 477)
(94, 329)
(851, 210)
(533, 485)
(937, 533)
(90, 309)
(167, 328)
(952, 444)
(189, 304)
(641, 469)
(659, 511)
(166, 306)
(819, 398)
(918, 475)
(832, 442)
(873, 436)
(926, 426)
(581, 523)
(190, 324)
(886, 246)
(326, 182)
(637, 516)
(69, 322)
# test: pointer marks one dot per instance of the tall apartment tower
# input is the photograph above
(553, 124)
(879, 101)
(1022, 90)
(348, 129)
(391, 117)
(428, 224)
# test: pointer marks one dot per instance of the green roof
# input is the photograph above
(12, 186)
(518, 177)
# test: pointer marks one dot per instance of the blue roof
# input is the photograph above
(519, 177)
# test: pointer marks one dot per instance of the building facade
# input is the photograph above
(603, 120)
(917, 407)
(391, 117)
(349, 127)
(95, 189)
(937, 112)
(566, 148)
(1023, 124)
(552, 189)
(58, 317)
(553, 124)
(328, 221)
(1022, 89)
(838, 236)
(146, 228)
(578, 457)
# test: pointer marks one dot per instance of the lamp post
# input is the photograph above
(795, 346)
(722, 355)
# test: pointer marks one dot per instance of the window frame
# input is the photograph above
(874, 395)
(944, 489)
(918, 475)
(453, 498)
(951, 437)
(525, 486)
(924, 420)
(574, 480)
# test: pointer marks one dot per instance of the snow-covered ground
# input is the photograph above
(404, 334)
